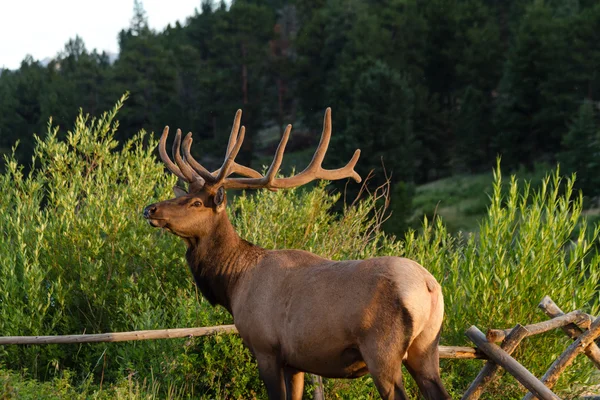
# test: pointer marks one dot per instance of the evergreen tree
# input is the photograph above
(139, 21)
(584, 28)
(20, 110)
(581, 149)
(381, 123)
(241, 48)
(473, 126)
(539, 88)
(484, 77)
(76, 79)
(145, 71)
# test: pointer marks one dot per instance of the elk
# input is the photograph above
(298, 312)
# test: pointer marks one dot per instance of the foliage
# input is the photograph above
(76, 256)
(532, 243)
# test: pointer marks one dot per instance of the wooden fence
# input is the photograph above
(577, 325)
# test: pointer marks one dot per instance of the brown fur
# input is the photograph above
(298, 312)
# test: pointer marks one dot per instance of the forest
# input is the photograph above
(427, 89)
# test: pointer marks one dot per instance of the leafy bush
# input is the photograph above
(532, 243)
(76, 256)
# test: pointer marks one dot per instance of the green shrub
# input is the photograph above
(76, 256)
(532, 243)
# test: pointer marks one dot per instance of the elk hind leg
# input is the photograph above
(389, 383)
(385, 367)
(423, 363)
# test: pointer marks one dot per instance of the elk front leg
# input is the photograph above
(294, 383)
(271, 372)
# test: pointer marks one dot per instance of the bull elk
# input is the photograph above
(298, 312)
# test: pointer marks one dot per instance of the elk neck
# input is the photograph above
(219, 261)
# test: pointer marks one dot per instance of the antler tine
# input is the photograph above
(234, 135)
(203, 172)
(230, 159)
(165, 157)
(234, 167)
(324, 142)
(272, 172)
(189, 174)
(347, 171)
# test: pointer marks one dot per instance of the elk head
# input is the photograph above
(194, 213)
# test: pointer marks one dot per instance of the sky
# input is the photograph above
(42, 27)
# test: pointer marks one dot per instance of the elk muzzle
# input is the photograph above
(149, 213)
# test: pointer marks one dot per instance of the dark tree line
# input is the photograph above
(431, 87)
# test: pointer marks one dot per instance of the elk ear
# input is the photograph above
(179, 191)
(219, 199)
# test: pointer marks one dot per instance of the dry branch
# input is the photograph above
(567, 357)
(575, 317)
(120, 336)
(488, 374)
(574, 331)
(499, 356)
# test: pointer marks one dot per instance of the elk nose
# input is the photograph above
(148, 211)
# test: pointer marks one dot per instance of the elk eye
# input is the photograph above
(197, 203)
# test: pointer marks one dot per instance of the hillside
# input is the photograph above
(462, 201)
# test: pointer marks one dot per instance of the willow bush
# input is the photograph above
(531, 243)
(76, 256)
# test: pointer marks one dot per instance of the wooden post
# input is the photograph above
(319, 392)
(577, 317)
(488, 374)
(573, 330)
(511, 365)
(567, 357)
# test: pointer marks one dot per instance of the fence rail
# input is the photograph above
(120, 336)
(456, 352)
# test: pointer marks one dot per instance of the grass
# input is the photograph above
(461, 201)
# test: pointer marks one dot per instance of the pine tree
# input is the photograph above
(139, 21)
(473, 127)
(539, 89)
(20, 110)
(381, 123)
(145, 71)
(581, 149)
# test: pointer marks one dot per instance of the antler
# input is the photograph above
(312, 172)
(191, 171)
